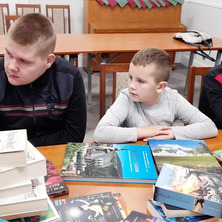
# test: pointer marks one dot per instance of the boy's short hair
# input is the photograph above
(156, 56)
(34, 28)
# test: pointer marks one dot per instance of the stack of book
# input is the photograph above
(22, 171)
(194, 190)
(189, 182)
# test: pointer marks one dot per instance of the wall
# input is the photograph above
(201, 15)
(76, 7)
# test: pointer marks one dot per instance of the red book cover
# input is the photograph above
(55, 185)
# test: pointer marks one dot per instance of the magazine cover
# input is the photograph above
(190, 189)
(95, 207)
(109, 163)
(187, 153)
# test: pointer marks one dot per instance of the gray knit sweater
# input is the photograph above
(119, 123)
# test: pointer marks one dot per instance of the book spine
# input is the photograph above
(187, 202)
(58, 194)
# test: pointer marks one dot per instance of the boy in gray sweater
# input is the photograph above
(148, 108)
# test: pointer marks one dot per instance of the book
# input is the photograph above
(191, 189)
(157, 211)
(162, 210)
(93, 207)
(55, 185)
(28, 204)
(95, 162)
(34, 159)
(124, 210)
(187, 153)
(136, 216)
(218, 154)
(16, 189)
(13, 148)
(12, 176)
(173, 211)
(49, 215)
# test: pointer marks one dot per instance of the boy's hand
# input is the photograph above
(155, 132)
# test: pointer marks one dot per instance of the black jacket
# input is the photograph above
(211, 95)
(52, 108)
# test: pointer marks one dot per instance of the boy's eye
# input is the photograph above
(23, 61)
(140, 81)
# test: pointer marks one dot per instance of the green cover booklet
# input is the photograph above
(187, 153)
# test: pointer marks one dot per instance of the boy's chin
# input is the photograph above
(136, 100)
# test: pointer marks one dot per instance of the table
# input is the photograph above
(135, 195)
(91, 44)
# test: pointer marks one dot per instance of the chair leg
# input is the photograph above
(114, 86)
(74, 59)
(102, 92)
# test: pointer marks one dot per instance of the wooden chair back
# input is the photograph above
(4, 10)
(193, 72)
(60, 17)
(118, 69)
(9, 19)
(22, 9)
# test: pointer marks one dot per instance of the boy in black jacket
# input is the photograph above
(38, 91)
(211, 95)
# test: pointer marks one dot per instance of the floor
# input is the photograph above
(176, 81)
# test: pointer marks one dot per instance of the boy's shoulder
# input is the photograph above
(170, 91)
(170, 95)
(62, 66)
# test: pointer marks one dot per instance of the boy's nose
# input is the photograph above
(132, 84)
(12, 65)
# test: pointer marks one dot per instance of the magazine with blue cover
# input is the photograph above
(96, 162)
(190, 189)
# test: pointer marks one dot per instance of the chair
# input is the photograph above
(60, 17)
(193, 72)
(9, 19)
(120, 80)
(22, 9)
(4, 10)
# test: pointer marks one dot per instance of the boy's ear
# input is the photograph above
(162, 85)
(50, 60)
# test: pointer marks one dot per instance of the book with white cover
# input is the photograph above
(36, 167)
(12, 176)
(13, 148)
(32, 203)
(17, 189)
(36, 163)
(50, 215)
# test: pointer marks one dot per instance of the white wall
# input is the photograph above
(76, 8)
(201, 15)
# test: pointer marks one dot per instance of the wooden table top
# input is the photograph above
(118, 42)
(135, 195)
